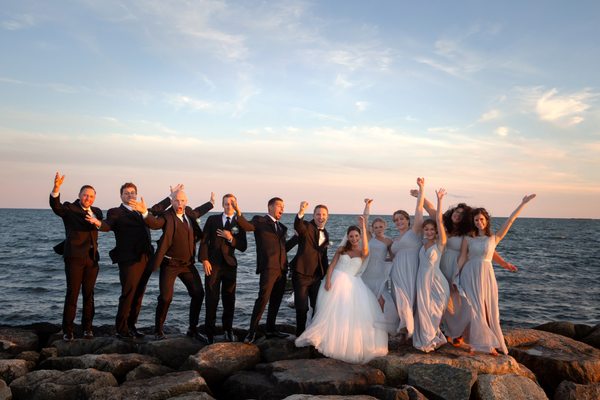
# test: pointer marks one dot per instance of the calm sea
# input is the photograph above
(558, 278)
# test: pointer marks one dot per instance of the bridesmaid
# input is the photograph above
(477, 282)
(433, 291)
(458, 223)
(377, 268)
(405, 249)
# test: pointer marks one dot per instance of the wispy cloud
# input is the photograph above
(18, 22)
(489, 115)
(182, 101)
(567, 110)
(502, 131)
(361, 105)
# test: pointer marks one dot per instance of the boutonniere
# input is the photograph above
(235, 230)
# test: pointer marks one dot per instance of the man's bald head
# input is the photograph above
(179, 201)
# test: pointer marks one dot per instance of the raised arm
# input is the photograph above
(439, 218)
(299, 225)
(426, 203)
(504, 229)
(366, 213)
(55, 195)
(365, 239)
(418, 224)
(242, 221)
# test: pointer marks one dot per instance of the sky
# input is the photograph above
(324, 101)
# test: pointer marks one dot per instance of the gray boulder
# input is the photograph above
(15, 340)
(5, 393)
(441, 381)
(32, 358)
(404, 392)
(12, 369)
(117, 364)
(60, 385)
(572, 391)
(328, 397)
(145, 371)
(157, 388)
(508, 387)
(250, 385)
(220, 360)
(272, 350)
(593, 337)
(173, 351)
(97, 345)
(554, 358)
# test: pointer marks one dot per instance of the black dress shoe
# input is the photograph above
(124, 336)
(250, 337)
(88, 334)
(230, 336)
(68, 337)
(135, 333)
(198, 336)
(276, 334)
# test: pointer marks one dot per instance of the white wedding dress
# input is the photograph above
(348, 323)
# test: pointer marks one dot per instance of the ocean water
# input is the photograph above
(558, 277)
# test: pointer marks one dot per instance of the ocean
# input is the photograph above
(558, 277)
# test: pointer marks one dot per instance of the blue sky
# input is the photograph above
(328, 102)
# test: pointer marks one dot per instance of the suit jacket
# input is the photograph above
(311, 258)
(271, 246)
(81, 237)
(132, 235)
(167, 221)
(216, 249)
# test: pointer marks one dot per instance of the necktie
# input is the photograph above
(276, 227)
(227, 226)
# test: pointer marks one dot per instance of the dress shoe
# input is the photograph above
(68, 337)
(230, 336)
(250, 337)
(135, 333)
(159, 335)
(88, 334)
(123, 336)
(198, 336)
(276, 334)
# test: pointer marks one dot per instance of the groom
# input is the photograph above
(311, 263)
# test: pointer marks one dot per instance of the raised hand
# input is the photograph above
(527, 198)
(440, 193)
(235, 206)
(361, 220)
(176, 189)
(414, 192)
(368, 202)
(303, 207)
(212, 198)
(421, 183)
(139, 206)
(58, 181)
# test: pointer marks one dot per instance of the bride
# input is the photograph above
(348, 324)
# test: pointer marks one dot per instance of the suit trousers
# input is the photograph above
(134, 277)
(306, 287)
(188, 274)
(222, 279)
(271, 289)
(81, 273)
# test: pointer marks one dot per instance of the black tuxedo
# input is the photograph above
(271, 264)
(220, 253)
(175, 257)
(132, 251)
(80, 253)
(308, 268)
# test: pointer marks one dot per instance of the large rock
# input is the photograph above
(272, 350)
(145, 371)
(117, 364)
(328, 397)
(220, 360)
(157, 388)
(593, 337)
(250, 385)
(193, 396)
(572, 391)
(554, 358)
(508, 387)
(60, 385)
(322, 376)
(32, 358)
(13, 369)
(97, 345)
(404, 392)
(173, 351)
(15, 340)
(441, 381)
(5, 393)
(395, 365)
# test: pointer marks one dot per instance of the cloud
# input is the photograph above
(564, 110)
(18, 22)
(182, 101)
(502, 131)
(361, 105)
(489, 116)
(341, 81)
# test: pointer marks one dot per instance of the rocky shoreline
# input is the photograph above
(557, 360)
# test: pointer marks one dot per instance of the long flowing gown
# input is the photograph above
(345, 323)
(454, 321)
(376, 276)
(404, 276)
(478, 286)
(433, 293)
